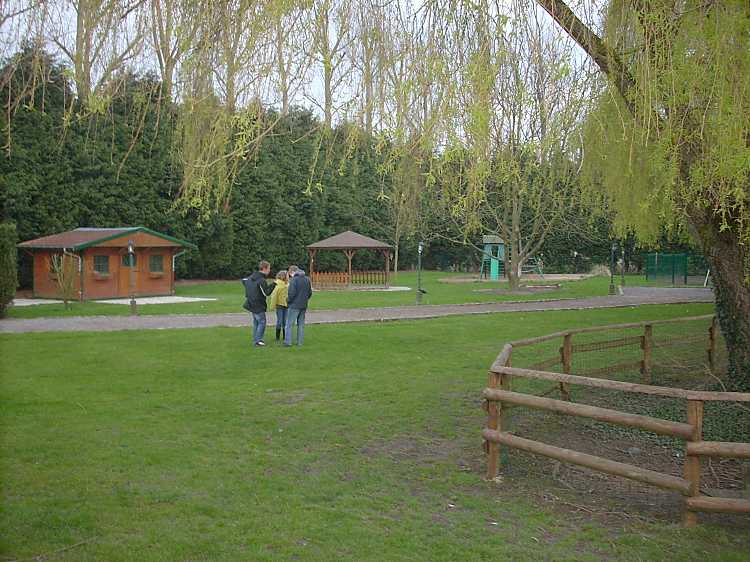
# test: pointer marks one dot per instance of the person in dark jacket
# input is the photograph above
(256, 291)
(300, 291)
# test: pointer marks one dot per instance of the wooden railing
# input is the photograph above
(498, 395)
(368, 278)
(339, 279)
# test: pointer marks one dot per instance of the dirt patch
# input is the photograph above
(526, 290)
(414, 450)
(551, 277)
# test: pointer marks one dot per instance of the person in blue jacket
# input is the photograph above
(300, 291)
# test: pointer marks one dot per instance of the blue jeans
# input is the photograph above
(295, 316)
(281, 314)
(259, 326)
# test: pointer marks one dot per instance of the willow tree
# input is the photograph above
(673, 133)
(415, 90)
(510, 168)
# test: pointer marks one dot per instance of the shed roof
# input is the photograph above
(82, 238)
(349, 240)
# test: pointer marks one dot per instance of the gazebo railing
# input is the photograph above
(339, 279)
(375, 277)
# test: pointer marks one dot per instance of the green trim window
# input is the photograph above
(156, 263)
(101, 264)
(126, 259)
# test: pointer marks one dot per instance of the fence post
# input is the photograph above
(505, 384)
(493, 422)
(692, 470)
(646, 345)
(712, 344)
(566, 352)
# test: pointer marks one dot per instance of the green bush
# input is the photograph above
(8, 265)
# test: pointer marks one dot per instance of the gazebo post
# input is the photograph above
(349, 255)
(387, 254)
(312, 263)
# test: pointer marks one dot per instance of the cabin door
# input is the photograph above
(128, 275)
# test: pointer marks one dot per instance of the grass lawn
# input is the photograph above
(230, 295)
(362, 445)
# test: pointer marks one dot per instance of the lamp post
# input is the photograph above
(420, 292)
(622, 268)
(131, 263)
(612, 268)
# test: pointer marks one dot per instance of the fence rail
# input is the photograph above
(499, 397)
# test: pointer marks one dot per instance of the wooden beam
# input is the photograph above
(503, 358)
(719, 449)
(493, 424)
(608, 328)
(590, 461)
(625, 386)
(718, 505)
(692, 467)
(647, 423)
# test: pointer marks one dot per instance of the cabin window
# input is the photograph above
(156, 264)
(101, 264)
(126, 259)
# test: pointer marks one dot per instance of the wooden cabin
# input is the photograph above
(101, 261)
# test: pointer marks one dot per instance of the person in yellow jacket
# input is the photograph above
(279, 304)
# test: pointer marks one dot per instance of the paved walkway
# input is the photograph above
(633, 296)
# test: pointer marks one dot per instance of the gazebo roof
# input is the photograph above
(349, 241)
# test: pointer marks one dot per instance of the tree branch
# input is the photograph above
(605, 58)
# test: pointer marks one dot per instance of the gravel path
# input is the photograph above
(633, 296)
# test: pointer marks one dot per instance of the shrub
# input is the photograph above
(8, 265)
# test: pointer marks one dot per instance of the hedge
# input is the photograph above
(8, 265)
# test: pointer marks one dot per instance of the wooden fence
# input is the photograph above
(499, 394)
(341, 279)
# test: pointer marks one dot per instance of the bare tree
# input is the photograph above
(291, 65)
(174, 26)
(65, 268)
(108, 34)
(332, 34)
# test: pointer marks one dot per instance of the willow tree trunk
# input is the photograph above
(515, 241)
(728, 260)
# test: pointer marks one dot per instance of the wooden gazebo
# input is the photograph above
(349, 243)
